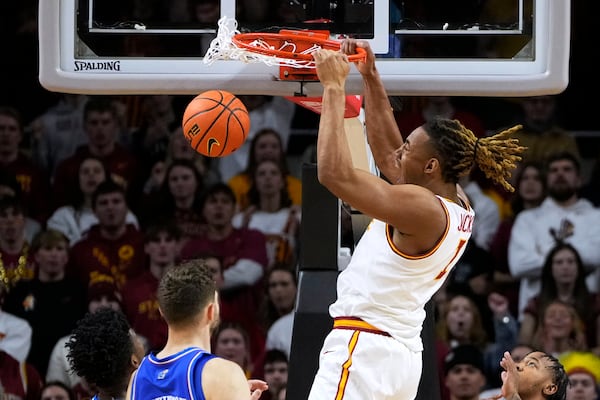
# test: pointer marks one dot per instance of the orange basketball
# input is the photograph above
(216, 123)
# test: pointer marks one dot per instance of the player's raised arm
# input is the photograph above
(368, 193)
(383, 134)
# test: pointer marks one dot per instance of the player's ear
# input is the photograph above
(211, 311)
(550, 389)
(431, 166)
(135, 361)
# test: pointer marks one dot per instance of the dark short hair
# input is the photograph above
(14, 114)
(14, 203)
(166, 226)
(464, 354)
(216, 188)
(564, 155)
(184, 290)
(275, 355)
(102, 285)
(106, 187)
(99, 104)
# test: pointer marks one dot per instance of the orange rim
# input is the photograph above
(277, 40)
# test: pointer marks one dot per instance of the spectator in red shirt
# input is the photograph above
(34, 183)
(101, 124)
(16, 262)
(111, 247)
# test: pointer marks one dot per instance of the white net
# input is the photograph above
(223, 48)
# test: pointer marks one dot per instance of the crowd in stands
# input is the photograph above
(96, 226)
(99, 195)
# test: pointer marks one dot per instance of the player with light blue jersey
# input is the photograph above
(185, 369)
(104, 350)
(173, 374)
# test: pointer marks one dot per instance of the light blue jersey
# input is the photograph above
(176, 377)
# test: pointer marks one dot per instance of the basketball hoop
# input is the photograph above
(289, 48)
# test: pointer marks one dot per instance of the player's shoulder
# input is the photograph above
(219, 365)
(416, 193)
(220, 375)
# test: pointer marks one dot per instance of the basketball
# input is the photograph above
(216, 123)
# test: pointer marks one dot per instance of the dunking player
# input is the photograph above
(185, 368)
(421, 223)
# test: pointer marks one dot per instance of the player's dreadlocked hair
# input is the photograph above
(100, 349)
(559, 378)
(459, 150)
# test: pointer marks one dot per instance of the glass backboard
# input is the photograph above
(425, 47)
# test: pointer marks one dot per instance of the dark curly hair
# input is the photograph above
(100, 349)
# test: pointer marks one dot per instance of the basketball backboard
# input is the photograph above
(427, 47)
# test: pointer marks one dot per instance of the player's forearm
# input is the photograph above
(383, 134)
(334, 161)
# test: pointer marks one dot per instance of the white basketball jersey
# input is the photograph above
(389, 289)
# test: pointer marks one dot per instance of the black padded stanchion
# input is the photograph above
(320, 221)
(316, 282)
(311, 324)
(429, 386)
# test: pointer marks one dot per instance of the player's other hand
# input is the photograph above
(366, 67)
(256, 388)
(510, 376)
(332, 68)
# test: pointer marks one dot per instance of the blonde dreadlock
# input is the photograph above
(459, 150)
